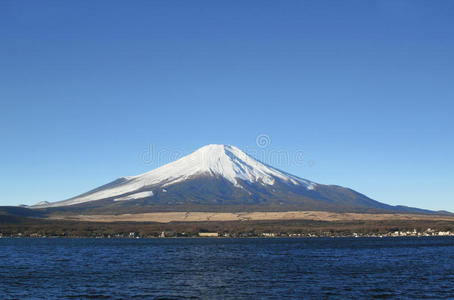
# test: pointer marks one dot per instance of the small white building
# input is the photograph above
(268, 234)
(444, 233)
(208, 234)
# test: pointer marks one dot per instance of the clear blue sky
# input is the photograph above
(364, 88)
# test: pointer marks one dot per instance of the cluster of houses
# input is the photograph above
(428, 232)
(413, 233)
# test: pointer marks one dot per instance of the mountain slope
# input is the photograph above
(218, 178)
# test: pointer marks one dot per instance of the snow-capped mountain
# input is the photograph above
(216, 177)
(224, 161)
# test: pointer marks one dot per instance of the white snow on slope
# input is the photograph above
(224, 161)
(135, 196)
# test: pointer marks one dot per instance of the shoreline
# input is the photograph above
(221, 237)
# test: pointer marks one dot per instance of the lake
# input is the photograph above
(227, 268)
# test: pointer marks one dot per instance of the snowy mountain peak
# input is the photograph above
(219, 160)
(225, 161)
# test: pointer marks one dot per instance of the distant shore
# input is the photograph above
(328, 225)
(260, 236)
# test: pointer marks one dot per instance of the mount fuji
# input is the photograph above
(218, 178)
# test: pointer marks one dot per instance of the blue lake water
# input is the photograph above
(227, 268)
